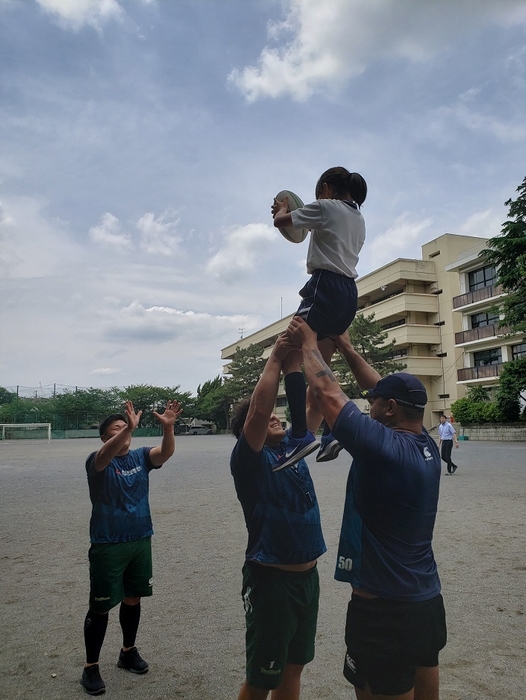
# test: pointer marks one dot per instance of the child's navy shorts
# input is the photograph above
(329, 303)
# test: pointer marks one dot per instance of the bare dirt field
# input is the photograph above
(192, 629)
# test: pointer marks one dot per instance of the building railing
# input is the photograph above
(477, 295)
(480, 333)
(482, 372)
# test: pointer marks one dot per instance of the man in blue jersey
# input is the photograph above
(395, 621)
(280, 579)
(120, 555)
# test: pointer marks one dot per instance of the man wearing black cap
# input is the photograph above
(395, 621)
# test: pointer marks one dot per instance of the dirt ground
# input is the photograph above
(192, 629)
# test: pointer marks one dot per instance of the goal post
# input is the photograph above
(26, 431)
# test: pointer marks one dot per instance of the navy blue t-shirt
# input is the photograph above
(280, 508)
(119, 494)
(390, 509)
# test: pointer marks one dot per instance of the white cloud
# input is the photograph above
(31, 245)
(244, 247)
(333, 41)
(154, 324)
(109, 233)
(73, 14)
(485, 224)
(400, 240)
(159, 235)
(105, 371)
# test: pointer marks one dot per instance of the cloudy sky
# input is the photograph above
(142, 142)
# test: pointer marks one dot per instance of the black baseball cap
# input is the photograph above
(404, 388)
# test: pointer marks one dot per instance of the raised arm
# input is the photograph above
(281, 214)
(322, 381)
(162, 453)
(365, 375)
(117, 442)
(263, 399)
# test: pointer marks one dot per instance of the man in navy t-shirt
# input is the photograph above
(280, 579)
(120, 555)
(395, 621)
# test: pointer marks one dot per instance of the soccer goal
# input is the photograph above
(26, 431)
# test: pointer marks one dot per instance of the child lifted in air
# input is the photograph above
(329, 298)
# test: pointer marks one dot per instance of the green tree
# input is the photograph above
(148, 398)
(368, 339)
(213, 402)
(245, 369)
(6, 396)
(512, 388)
(507, 252)
(84, 408)
(478, 393)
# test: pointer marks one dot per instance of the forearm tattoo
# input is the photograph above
(324, 372)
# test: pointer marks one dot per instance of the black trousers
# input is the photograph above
(445, 453)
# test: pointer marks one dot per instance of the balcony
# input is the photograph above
(409, 334)
(477, 296)
(401, 303)
(484, 372)
(481, 333)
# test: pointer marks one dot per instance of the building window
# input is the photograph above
(518, 352)
(281, 401)
(393, 324)
(400, 352)
(483, 277)
(484, 319)
(487, 357)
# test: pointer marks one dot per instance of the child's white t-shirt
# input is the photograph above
(337, 235)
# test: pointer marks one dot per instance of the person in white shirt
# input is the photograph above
(447, 435)
(329, 298)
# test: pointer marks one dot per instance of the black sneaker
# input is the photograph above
(91, 680)
(330, 448)
(132, 661)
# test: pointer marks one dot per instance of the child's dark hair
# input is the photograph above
(239, 417)
(342, 182)
(109, 420)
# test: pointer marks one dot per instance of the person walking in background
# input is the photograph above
(120, 555)
(447, 436)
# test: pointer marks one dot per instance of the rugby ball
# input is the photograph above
(294, 235)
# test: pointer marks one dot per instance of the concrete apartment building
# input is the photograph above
(438, 310)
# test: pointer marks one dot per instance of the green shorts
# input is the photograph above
(119, 570)
(281, 610)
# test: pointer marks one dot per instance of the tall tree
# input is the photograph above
(511, 394)
(148, 398)
(213, 402)
(245, 369)
(369, 340)
(6, 396)
(507, 252)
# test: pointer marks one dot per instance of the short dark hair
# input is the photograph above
(109, 420)
(342, 182)
(411, 413)
(239, 417)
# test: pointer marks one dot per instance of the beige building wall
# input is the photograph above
(423, 307)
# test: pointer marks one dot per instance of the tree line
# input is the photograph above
(84, 408)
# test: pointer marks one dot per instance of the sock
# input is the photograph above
(94, 632)
(297, 399)
(129, 616)
(326, 429)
